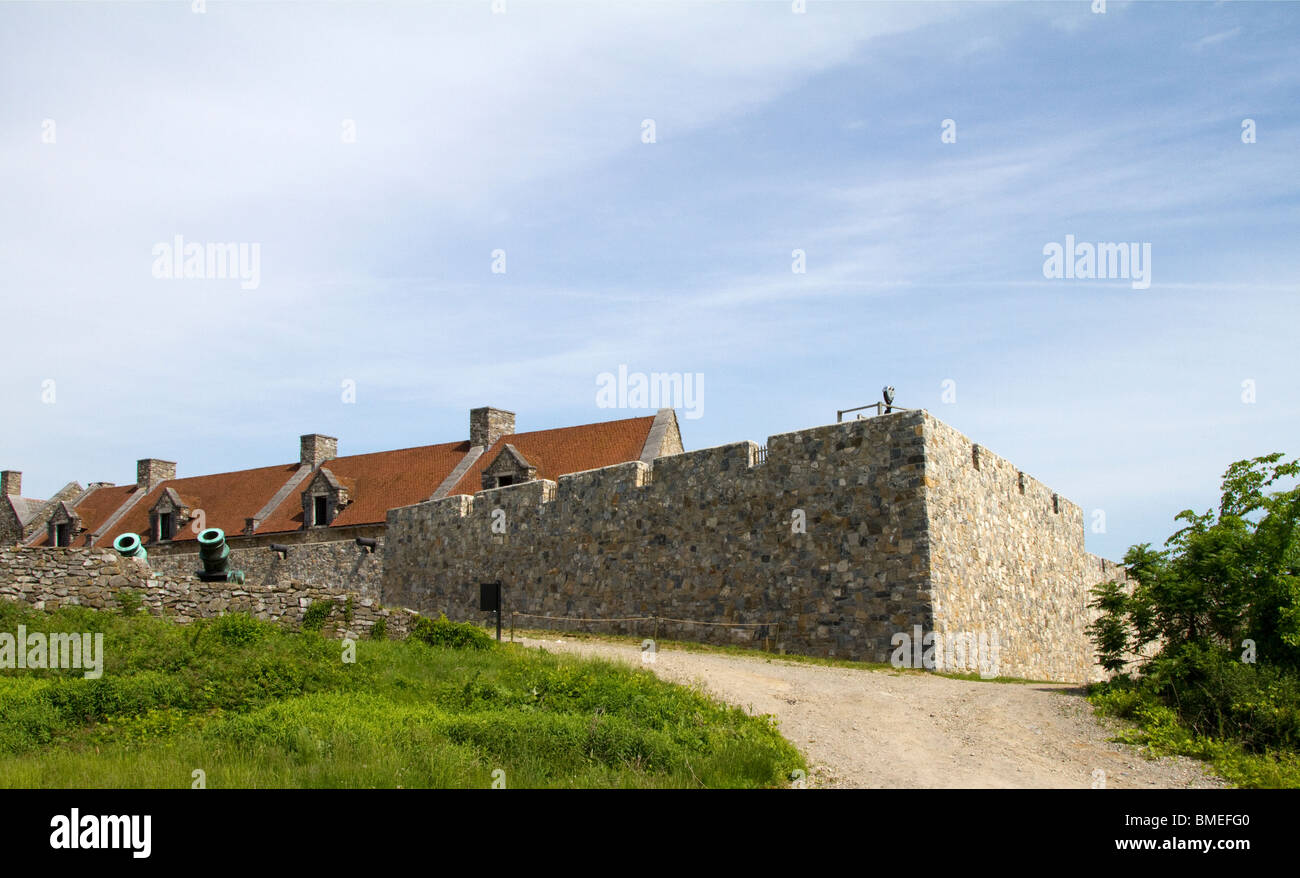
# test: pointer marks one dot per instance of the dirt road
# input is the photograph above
(863, 728)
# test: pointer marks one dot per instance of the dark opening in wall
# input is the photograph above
(975, 455)
(320, 511)
(1056, 503)
(502, 481)
(60, 535)
(1021, 479)
(166, 526)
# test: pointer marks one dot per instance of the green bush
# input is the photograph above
(238, 629)
(1217, 695)
(129, 602)
(317, 613)
(379, 630)
(1211, 626)
(455, 635)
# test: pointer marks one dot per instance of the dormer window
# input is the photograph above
(509, 467)
(324, 498)
(168, 514)
(64, 525)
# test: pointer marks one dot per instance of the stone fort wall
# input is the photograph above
(829, 541)
(1007, 558)
(901, 530)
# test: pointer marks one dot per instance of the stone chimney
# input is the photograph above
(316, 448)
(487, 425)
(12, 482)
(152, 472)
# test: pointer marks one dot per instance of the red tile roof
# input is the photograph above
(225, 498)
(375, 482)
(96, 508)
(566, 450)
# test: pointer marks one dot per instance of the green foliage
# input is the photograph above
(455, 635)
(314, 618)
(347, 611)
(379, 630)
(1160, 729)
(1217, 613)
(239, 629)
(1225, 578)
(129, 602)
(258, 705)
(1111, 630)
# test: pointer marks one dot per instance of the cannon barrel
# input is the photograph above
(129, 546)
(215, 556)
(279, 547)
(367, 543)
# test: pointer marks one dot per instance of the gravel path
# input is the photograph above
(863, 728)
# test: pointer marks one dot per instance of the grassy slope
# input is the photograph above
(254, 706)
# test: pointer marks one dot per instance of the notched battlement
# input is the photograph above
(951, 454)
(519, 496)
(720, 461)
(613, 480)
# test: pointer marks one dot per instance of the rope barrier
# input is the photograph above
(582, 619)
(719, 624)
(647, 619)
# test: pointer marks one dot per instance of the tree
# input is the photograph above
(1222, 578)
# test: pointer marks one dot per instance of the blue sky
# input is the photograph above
(775, 131)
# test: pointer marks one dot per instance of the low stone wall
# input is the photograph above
(337, 565)
(48, 578)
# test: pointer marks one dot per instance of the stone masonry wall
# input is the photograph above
(902, 530)
(337, 565)
(831, 542)
(704, 536)
(1008, 559)
(48, 578)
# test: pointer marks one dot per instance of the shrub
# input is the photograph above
(379, 630)
(317, 613)
(1221, 602)
(454, 635)
(238, 629)
(129, 602)
(1219, 696)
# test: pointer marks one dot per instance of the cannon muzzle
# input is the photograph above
(215, 556)
(129, 546)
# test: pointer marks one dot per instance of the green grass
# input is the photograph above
(1157, 729)
(253, 705)
(750, 652)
